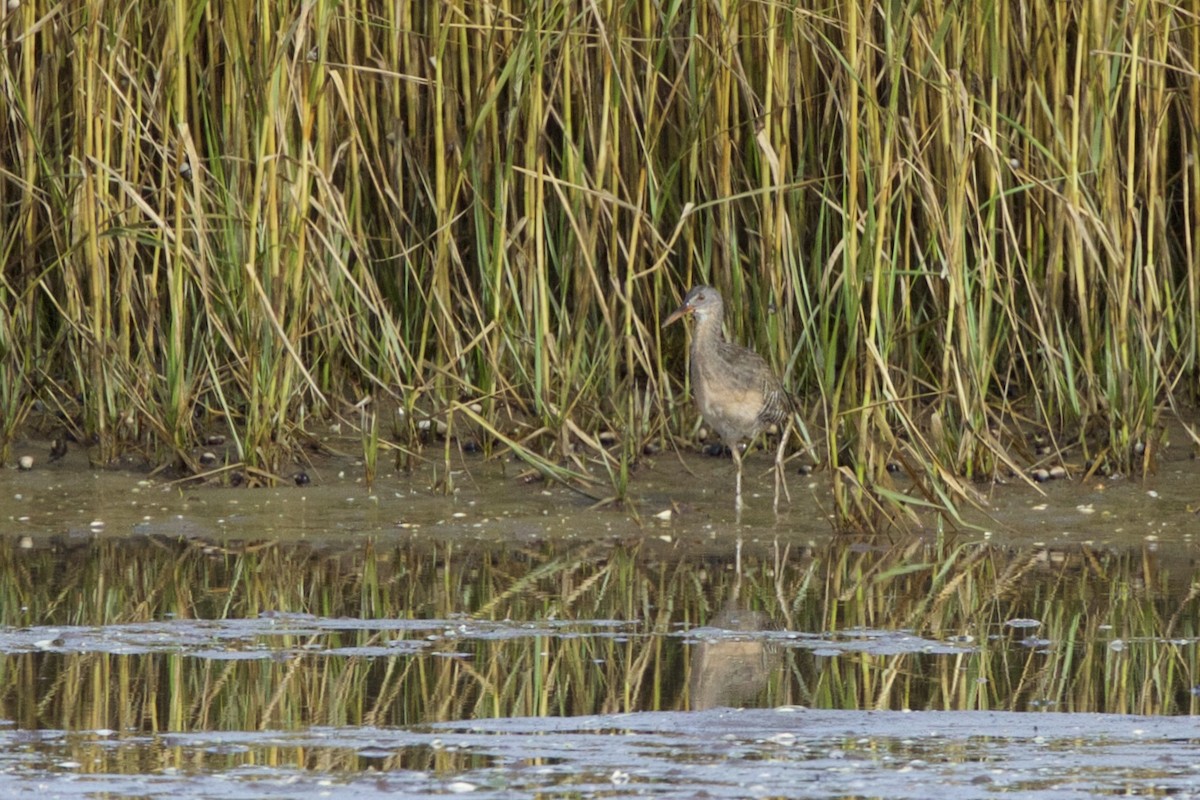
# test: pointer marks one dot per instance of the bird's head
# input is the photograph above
(703, 301)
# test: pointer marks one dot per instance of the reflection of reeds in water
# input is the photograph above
(1118, 631)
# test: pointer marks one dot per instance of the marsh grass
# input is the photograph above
(583, 628)
(949, 229)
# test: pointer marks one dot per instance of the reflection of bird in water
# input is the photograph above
(732, 671)
(736, 392)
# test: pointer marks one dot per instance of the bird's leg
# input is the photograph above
(780, 479)
(737, 462)
(737, 581)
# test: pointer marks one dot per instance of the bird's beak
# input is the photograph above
(678, 313)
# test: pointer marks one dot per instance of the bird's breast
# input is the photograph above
(731, 407)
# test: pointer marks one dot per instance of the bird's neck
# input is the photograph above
(708, 331)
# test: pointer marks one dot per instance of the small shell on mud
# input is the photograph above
(25, 462)
(434, 425)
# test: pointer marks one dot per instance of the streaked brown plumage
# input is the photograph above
(735, 389)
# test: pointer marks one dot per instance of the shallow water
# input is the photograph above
(785, 752)
(160, 639)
